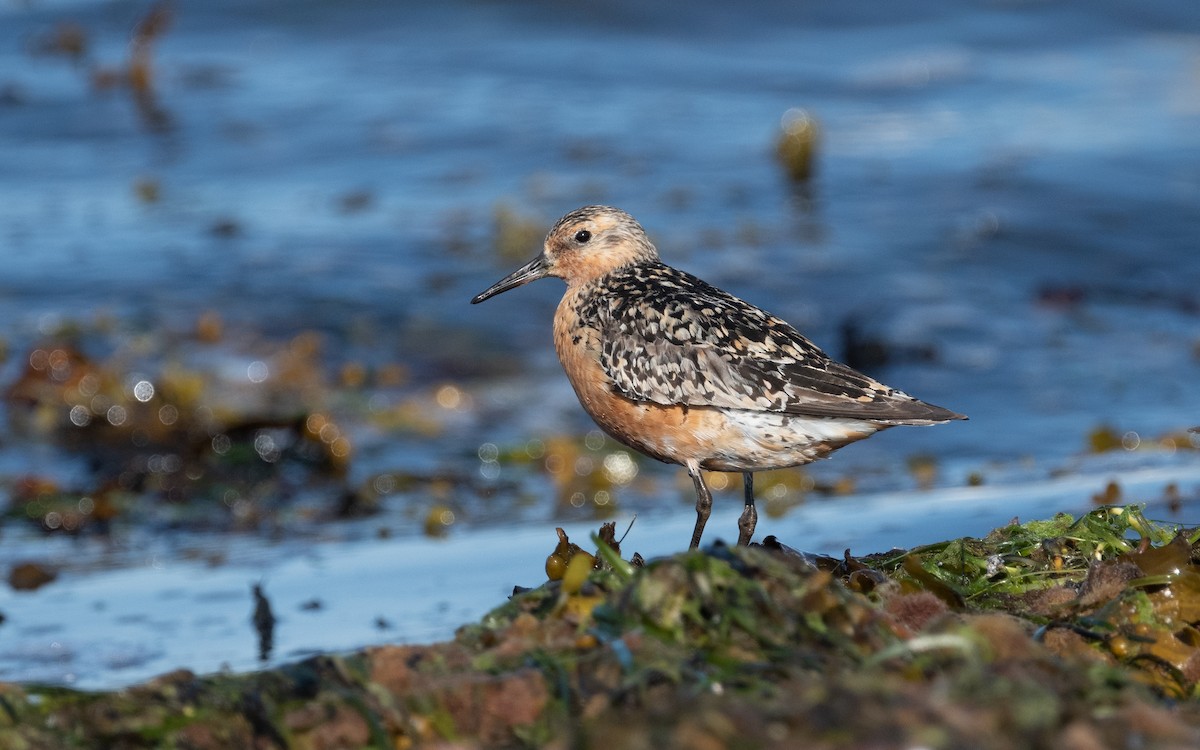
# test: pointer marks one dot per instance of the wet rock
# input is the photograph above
(327, 726)
(914, 612)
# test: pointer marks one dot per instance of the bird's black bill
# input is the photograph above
(531, 271)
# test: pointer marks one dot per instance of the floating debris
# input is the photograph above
(264, 622)
(247, 436)
(355, 201)
(796, 148)
(28, 576)
(68, 39)
(1110, 495)
(515, 236)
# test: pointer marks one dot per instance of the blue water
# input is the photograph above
(1016, 186)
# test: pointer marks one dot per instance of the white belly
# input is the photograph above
(760, 441)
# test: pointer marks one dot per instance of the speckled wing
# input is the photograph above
(670, 338)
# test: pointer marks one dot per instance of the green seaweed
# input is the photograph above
(1027, 637)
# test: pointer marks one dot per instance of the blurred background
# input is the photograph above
(238, 240)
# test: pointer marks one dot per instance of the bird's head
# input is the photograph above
(584, 245)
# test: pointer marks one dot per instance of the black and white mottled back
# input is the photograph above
(671, 338)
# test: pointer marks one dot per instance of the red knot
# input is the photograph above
(691, 375)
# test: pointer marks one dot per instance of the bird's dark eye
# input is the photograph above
(582, 236)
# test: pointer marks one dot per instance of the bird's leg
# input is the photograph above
(749, 517)
(703, 502)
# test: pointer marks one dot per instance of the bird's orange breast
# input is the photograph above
(670, 433)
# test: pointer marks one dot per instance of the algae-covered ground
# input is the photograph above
(1066, 633)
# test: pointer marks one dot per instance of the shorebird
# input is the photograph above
(689, 374)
